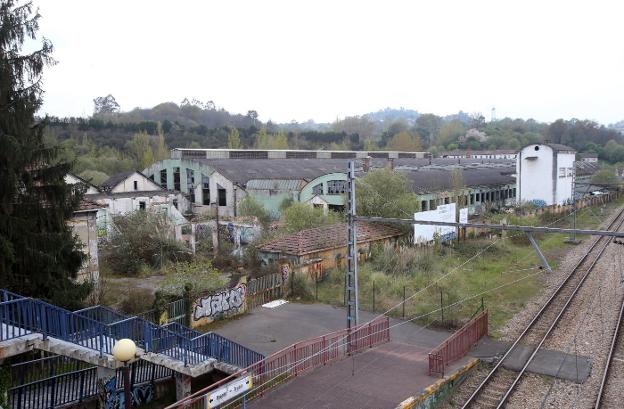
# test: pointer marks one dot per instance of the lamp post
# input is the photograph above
(123, 351)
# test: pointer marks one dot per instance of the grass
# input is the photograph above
(503, 263)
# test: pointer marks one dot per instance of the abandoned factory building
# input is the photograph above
(315, 251)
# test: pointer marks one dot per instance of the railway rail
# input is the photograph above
(609, 392)
(498, 385)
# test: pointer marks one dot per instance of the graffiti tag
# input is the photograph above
(220, 303)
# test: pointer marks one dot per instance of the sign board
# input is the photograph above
(228, 391)
(443, 213)
(463, 215)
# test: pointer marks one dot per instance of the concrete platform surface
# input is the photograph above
(547, 362)
(269, 330)
(379, 378)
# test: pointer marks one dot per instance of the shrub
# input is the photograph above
(141, 239)
(300, 216)
(137, 300)
(198, 276)
(251, 207)
(403, 260)
(302, 287)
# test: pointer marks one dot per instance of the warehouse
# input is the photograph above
(223, 183)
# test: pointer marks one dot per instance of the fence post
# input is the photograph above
(189, 303)
(373, 296)
(442, 306)
(403, 302)
(81, 395)
(44, 322)
(52, 383)
(316, 290)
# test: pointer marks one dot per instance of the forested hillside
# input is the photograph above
(111, 141)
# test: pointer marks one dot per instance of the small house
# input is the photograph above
(314, 251)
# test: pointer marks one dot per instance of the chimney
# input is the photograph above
(391, 163)
(366, 164)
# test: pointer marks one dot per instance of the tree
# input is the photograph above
(253, 115)
(605, 177)
(105, 105)
(385, 193)
(458, 185)
(405, 141)
(300, 216)
(279, 141)
(249, 206)
(428, 126)
(262, 141)
(234, 139)
(142, 150)
(449, 133)
(39, 254)
(160, 151)
(360, 125)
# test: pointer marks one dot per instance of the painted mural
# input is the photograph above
(226, 303)
(116, 399)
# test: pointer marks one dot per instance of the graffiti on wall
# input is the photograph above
(230, 301)
(111, 397)
(116, 399)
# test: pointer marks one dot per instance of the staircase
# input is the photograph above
(89, 334)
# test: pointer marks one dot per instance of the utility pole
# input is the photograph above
(351, 278)
(573, 239)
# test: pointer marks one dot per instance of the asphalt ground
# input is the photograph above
(269, 330)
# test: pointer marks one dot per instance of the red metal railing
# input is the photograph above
(458, 344)
(297, 358)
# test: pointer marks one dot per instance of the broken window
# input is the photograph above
(318, 189)
(176, 179)
(336, 187)
(205, 190)
(222, 196)
(163, 178)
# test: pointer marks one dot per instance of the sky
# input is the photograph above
(323, 60)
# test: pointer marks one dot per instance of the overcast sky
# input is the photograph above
(299, 60)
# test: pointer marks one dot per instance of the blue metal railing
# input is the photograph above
(101, 314)
(94, 328)
(76, 385)
(6, 295)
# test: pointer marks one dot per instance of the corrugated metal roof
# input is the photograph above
(435, 180)
(275, 184)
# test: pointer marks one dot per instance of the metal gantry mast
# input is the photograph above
(351, 276)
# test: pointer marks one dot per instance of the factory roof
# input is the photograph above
(244, 171)
(327, 237)
(240, 171)
(435, 180)
(586, 168)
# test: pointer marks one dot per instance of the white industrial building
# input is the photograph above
(545, 174)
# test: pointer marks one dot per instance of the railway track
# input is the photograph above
(494, 391)
(610, 392)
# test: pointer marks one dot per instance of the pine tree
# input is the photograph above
(39, 255)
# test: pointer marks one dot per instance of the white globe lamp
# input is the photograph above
(124, 350)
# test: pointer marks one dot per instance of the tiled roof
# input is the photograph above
(327, 237)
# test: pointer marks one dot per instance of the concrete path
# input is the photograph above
(269, 330)
(379, 378)
(546, 362)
